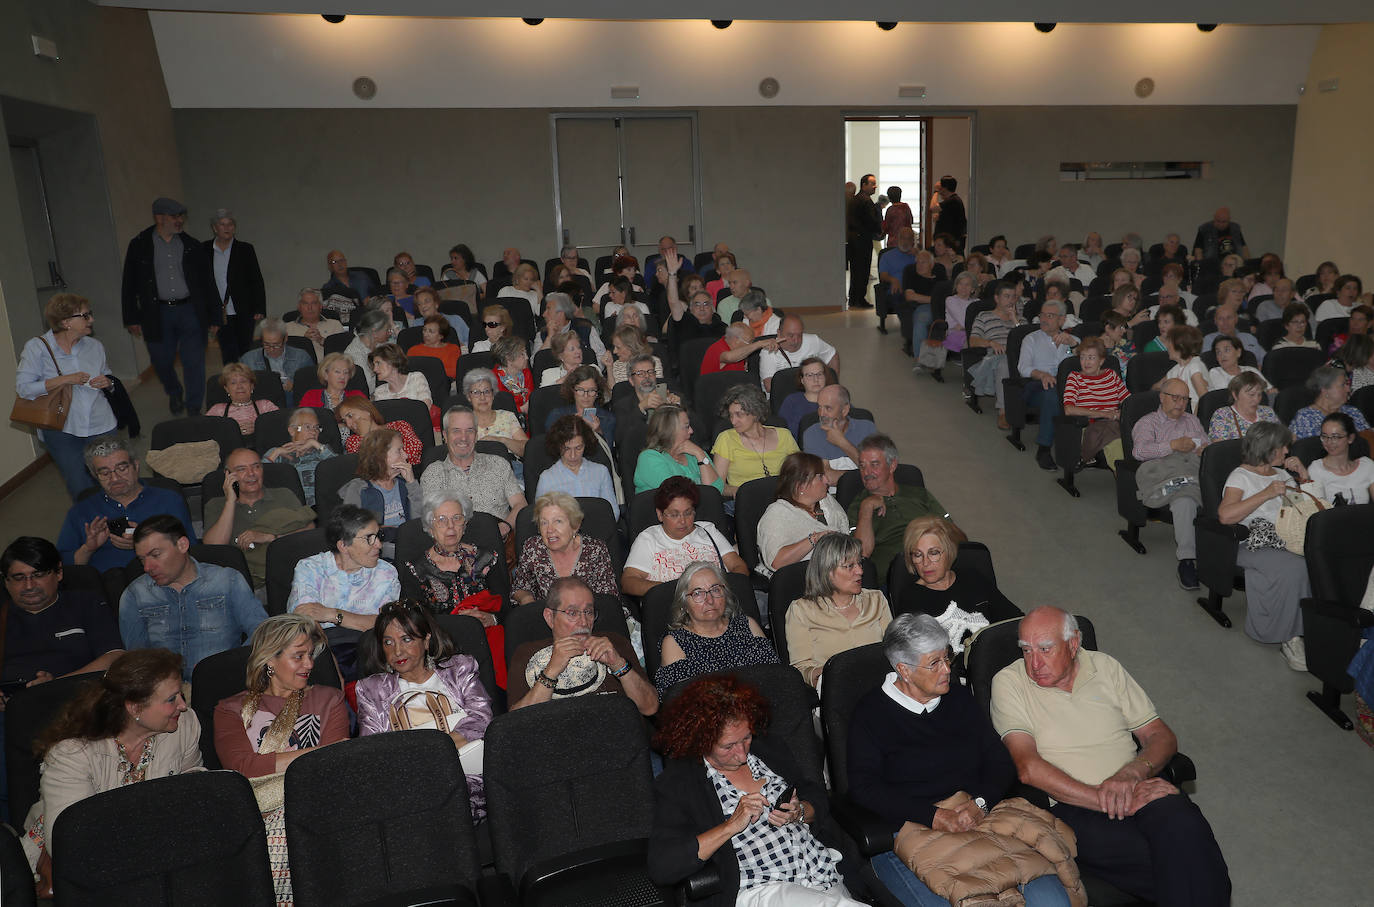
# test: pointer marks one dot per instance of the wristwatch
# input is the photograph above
(339, 615)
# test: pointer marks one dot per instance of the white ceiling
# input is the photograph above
(1258, 12)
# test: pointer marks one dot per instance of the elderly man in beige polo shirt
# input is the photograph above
(1072, 720)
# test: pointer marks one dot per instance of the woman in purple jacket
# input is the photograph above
(418, 681)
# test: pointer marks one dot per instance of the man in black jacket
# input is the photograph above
(238, 285)
(169, 300)
(862, 224)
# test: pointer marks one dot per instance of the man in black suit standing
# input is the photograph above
(949, 212)
(168, 299)
(238, 285)
(862, 224)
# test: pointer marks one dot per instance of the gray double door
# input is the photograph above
(626, 180)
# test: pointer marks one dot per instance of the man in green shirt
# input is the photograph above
(880, 517)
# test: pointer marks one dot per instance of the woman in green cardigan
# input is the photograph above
(670, 451)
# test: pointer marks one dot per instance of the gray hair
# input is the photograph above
(561, 302)
(643, 358)
(911, 636)
(1323, 377)
(301, 411)
(309, 291)
(222, 214)
(564, 250)
(457, 409)
(372, 321)
(269, 325)
(478, 376)
(880, 441)
(678, 615)
(753, 301)
(105, 446)
(831, 551)
(750, 398)
(740, 331)
(1055, 303)
(1131, 250)
(439, 497)
(840, 389)
(1262, 440)
(1131, 241)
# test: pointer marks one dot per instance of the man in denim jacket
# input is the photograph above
(181, 604)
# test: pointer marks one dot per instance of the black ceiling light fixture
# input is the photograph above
(1206, 26)
(886, 26)
(722, 23)
(531, 21)
(1045, 27)
(332, 18)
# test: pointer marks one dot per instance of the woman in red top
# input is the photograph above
(897, 216)
(360, 416)
(1096, 392)
(335, 371)
(513, 370)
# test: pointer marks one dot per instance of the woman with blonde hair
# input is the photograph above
(334, 371)
(279, 717)
(963, 601)
(496, 324)
(238, 381)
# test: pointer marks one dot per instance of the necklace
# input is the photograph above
(440, 552)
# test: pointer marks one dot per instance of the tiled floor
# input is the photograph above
(1286, 791)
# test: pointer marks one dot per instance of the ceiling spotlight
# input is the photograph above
(1045, 27)
(529, 21)
(332, 18)
(1206, 26)
(722, 23)
(886, 26)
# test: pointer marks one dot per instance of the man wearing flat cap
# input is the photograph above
(169, 300)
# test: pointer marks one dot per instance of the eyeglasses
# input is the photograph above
(1175, 396)
(336, 261)
(492, 324)
(642, 373)
(268, 345)
(297, 429)
(455, 520)
(1337, 437)
(577, 613)
(122, 469)
(813, 374)
(585, 390)
(370, 539)
(481, 392)
(933, 554)
(700, 595)
(942, 662)
(86, 315)
(20, 579)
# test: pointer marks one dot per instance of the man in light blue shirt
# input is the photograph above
(276, 356)
(1226, 317)
(835, 437)
(1041, 353)
(181, 604)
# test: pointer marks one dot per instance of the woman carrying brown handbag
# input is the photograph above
(67, 360)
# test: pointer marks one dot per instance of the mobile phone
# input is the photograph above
(117, 525)
(235, 486)
(786, 797)
(662, 390)
(14, 686)
(589, 412)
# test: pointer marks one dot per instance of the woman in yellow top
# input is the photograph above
(837, 614)
(749, 449)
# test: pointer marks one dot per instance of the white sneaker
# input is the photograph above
(1294, 653)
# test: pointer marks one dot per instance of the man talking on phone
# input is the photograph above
(99, 528)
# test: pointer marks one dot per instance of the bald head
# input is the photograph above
(1221, 218)
(1173, 398)
(790, 333)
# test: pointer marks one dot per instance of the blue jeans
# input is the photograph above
(1046, 891)
(920, 323)
(68, 452)
(1047, 403)
(182, 332)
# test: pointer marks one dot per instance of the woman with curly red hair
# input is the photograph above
(739, 801)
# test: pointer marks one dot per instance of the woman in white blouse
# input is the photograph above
(525, 285)
(68, 356)
(1336, 474)
(394, 379)
(803, 512)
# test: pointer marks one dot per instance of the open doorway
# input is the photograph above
(910, 152)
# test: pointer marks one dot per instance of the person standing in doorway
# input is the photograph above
(947, 209)
(861, 229)
(168, 300)
(238, 285)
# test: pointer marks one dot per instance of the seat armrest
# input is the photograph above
(1179, 770)
(1234, 531)
(700, 885)
(870, 831)
(1080, 421)
(496, 891)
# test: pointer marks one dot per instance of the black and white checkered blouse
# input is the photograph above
(770, 853)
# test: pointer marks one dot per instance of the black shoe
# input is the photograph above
(863, 304)
(177, 406)
(882, 326)
(1045, 459)
(1187, 575)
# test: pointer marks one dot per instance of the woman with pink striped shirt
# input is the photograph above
(1096, 392)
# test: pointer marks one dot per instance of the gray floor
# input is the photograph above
(1283, 787)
